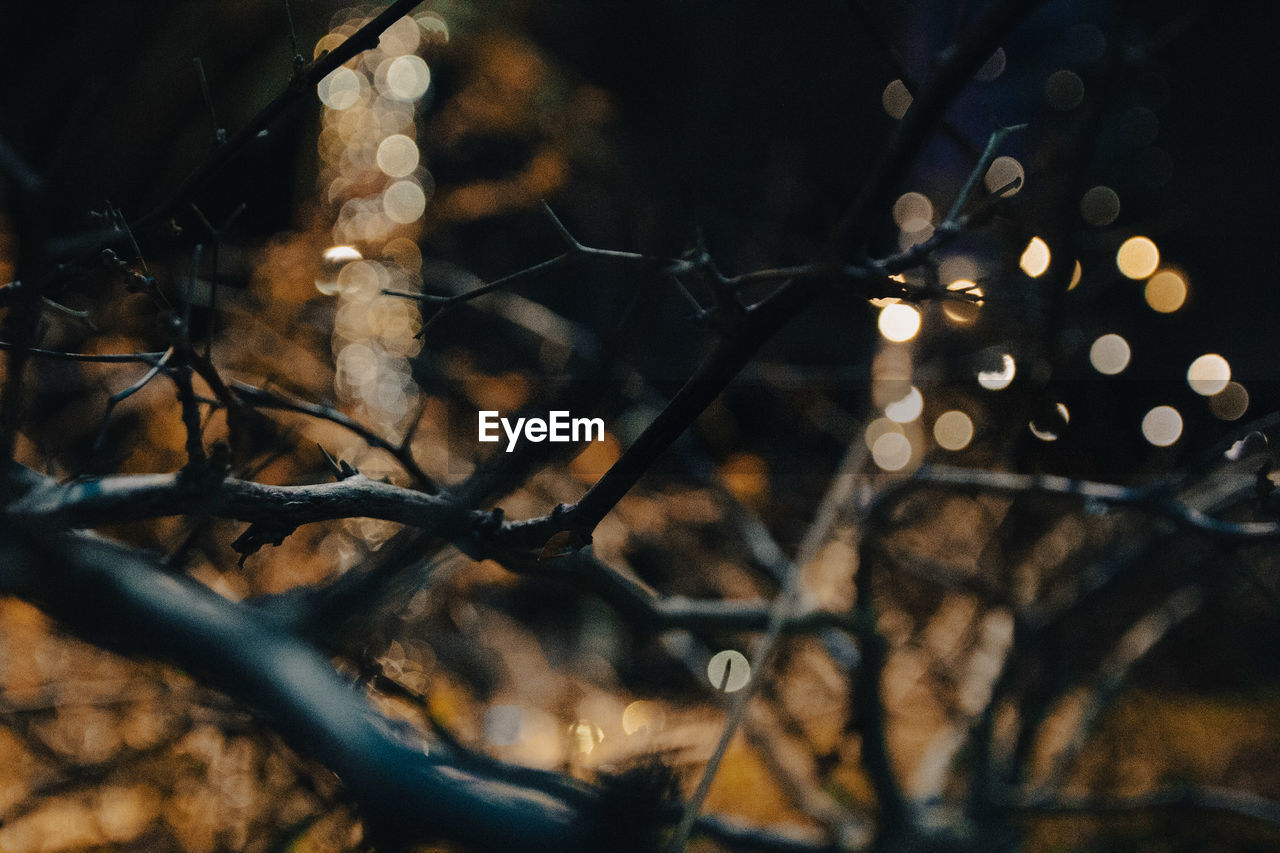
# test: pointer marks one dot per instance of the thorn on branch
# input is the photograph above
(569, 239)
(117, 398)
(341, 470)
(258, 534)
(82, 316)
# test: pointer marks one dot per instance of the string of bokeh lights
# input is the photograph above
(896, 439)
(373, 174)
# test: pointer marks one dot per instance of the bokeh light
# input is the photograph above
(880, 427)
(400, 38)
(333, 260)
(340, 89)
(1048, 431)
(1004, 171)
(1076, 273)
(642, 715)
(1109, 354)
(953, 430)
(1162, 426)
(1209, 374)
(1137, 257)
(585, 736)
(397, 155)
(963, 312)
(1064, 90)
(907, 409)
(913, 211)
(891, 451)
(435, 30)
(404, 202)
(1100, 206)
(899, 322)
(1230, 403)
(408, 78)
(728, 671)
(896, 99)
(996, 380)
(1035, 258)
(1166, 291)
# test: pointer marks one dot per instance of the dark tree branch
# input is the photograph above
(1222, 801)
(266, 399)
(114, 597)
(91, 358)
(109, 500)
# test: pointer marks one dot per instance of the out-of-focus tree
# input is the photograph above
(935, 506)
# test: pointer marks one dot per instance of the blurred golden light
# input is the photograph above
(892, 451)
(362, 280)
(913, 211)
(333, 260)
(1044, 433)
(585, 736)
(746, 476)
(899, 322)
(728, 670)
(1003, 171)
(340, 89)
(1109, 354)
(408, 78)
(953, 430)
(342, 255)
(1162, 426)
(880, 427)
(327, 43)
(1064, 90)
(642, 715)
(1166, 291)
(896, 99)
(996, 380)
(399, 38)
(1209, 374)
(435, 30)
(1100, 206)
(405, 254)
(1137, 257)
(397, 155)
(1076, 273)
(357, 366)
(1230, 403)
(404, 202)
(907, 409)
(1035, 258)
(961, 312)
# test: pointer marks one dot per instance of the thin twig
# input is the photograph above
(101, 358)
(1143, 636)
(119, 397)
(277, 400)
(302, 85)
(1198, 798)
(838, 493)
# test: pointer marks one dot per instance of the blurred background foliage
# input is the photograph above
(743, 127)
